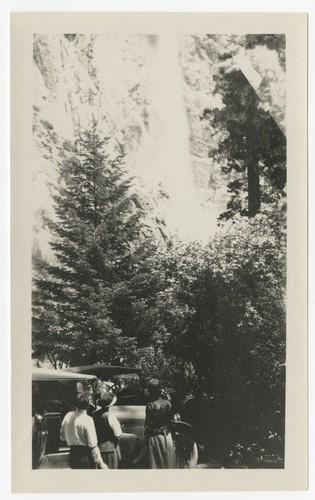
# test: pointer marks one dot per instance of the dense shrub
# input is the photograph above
(231, 295)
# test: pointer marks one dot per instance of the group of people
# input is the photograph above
(95, 441)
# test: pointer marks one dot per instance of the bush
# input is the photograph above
(232, 295)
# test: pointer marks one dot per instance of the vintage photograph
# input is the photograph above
(159, 255)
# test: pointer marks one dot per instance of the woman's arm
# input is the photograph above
(114, 424)
(147, 423)
(96, 455)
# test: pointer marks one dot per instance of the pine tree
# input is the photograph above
(253, 147)
(97, 232)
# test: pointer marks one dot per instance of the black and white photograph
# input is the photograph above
(159, 250)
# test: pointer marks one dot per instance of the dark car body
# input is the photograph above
(53, 395)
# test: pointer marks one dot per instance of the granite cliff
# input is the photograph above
(147, 94)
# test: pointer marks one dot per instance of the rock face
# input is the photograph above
(147, 94)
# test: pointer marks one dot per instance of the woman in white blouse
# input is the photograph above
(78, 430)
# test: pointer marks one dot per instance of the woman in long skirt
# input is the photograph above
(160, 446)
(108, 430)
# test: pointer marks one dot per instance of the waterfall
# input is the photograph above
(163, 158)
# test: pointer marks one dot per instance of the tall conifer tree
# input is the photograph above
(252, 149)
(96, 232)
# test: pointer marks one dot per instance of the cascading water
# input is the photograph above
(163, 158)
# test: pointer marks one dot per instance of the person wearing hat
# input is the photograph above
(160, 446)
(108, 430)
(78, 430)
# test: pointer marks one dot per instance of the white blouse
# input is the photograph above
(78, 429)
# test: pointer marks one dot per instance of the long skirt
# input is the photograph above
(111, 457)
(131, 448)
(161, 452)
(80, 457)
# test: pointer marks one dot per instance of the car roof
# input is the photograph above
(103, 370)
(51, 374)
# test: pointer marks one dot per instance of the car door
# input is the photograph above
(39, 439)
(131, 418)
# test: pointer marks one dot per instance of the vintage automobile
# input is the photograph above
(53, 394)
(132, 396)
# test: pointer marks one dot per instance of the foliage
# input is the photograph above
(97, 237)
(272, 42)
(170, 369)
(252, 148)
(228, 322)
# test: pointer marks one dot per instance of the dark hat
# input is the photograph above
(107, 399)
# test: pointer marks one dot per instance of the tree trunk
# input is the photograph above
(252, 164)
(253, 189)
